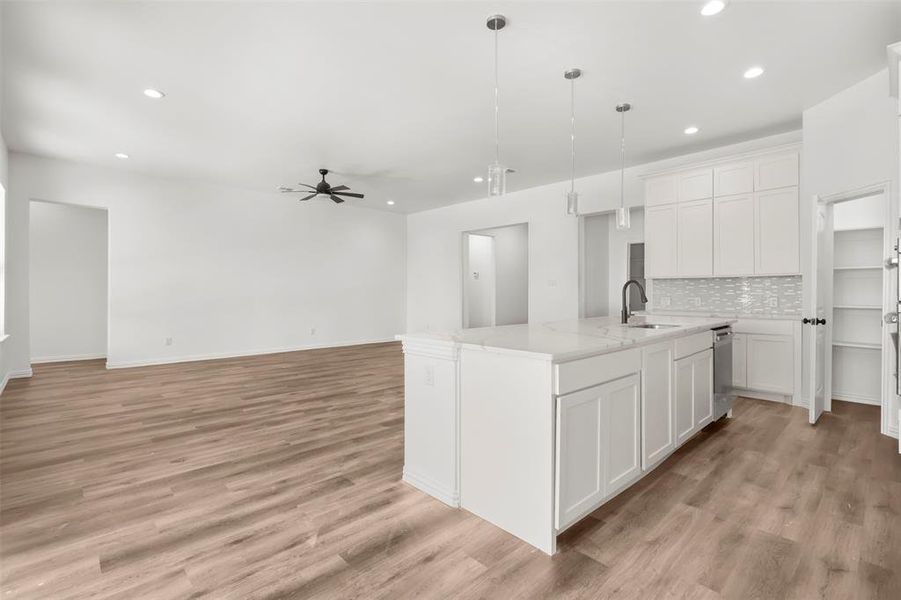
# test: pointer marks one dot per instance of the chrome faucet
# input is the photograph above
(644, 298)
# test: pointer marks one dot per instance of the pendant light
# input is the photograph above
(572, 196)
(497, 173)
(623, 219)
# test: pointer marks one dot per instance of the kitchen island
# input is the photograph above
(532, 427)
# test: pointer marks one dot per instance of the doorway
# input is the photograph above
(853, 351)
(496, 276)
(68, 266)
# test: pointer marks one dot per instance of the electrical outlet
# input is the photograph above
(695, 301)
(429, 375)
(773, 302)
(312, 331)
(168, 341)
(552, 283)
(664, 301)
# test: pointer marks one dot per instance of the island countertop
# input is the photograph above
(561, 341)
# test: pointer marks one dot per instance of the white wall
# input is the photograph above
(596, 265)
(221, 271)
(511, 252)
(67, 282)
(434, 239)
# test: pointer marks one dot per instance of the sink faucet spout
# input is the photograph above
(626, 313)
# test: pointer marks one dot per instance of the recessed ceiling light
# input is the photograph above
(713, 7)
(691, 130)
(155, 94)
(478, 179)
(121, 155)
(390, 203)
(753, 72)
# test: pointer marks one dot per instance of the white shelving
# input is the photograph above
(857, 315)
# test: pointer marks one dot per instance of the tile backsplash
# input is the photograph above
(763, 296)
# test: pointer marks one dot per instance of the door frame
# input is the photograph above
(889, 291)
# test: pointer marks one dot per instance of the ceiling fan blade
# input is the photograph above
(349, 194)
(336, 199)
(312, 187)
(308, 197)
(338, 188)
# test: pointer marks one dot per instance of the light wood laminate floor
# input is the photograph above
(279, 477)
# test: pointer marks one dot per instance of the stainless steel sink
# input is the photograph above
(652, 326)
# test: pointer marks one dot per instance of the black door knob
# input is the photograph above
(806, 321)
(820, 322)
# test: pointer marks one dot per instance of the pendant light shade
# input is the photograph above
(572, 196)
(497, 173)
(623, 218)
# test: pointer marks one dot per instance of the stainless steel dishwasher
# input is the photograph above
(723, 396)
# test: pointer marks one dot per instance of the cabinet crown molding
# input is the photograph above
(726, 159)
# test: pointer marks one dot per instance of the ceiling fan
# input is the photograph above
(322, 187)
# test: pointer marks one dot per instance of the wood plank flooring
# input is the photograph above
(279, 477)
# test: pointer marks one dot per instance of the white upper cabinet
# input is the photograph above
(776, 232)
(660, 190)
(734, 219)
(695, 185)
(734, 178)
(660, 241)
(776, 171)
(733, 235)
(695, 238)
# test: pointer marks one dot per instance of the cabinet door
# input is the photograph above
(695, 238)
(739, 360)
(776, 171)
(660, 241)
(702, 388)
(685, 423)
(771, 363)
(622, 432)
(580, 447)
(656, 404)
(733, 235)
(660, 190)
(734, 178)
(776, 232)
(695, 185)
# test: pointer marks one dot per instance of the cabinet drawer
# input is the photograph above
(585, 372)
(694, 343)
(695, 185)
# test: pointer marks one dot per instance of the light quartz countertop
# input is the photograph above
(561, 341)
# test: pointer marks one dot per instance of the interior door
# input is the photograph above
(817, 307)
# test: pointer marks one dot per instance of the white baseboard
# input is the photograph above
(772, 397)
(14, 375)
(71, 357)
(856, 398)
(430, 487)
(114, 364)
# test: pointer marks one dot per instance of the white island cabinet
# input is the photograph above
(532, 427)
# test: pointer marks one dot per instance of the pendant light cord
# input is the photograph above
(622, 152)
(497, 150)
(572, 132)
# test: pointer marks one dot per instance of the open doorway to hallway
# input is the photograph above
(496, 276)
(68, 282)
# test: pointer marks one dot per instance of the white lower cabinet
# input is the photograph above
(597, 441)
(694, 393)
(770, 363)
(656, 404)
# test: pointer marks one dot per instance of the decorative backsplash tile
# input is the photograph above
(763, 296)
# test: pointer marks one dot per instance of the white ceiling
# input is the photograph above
(397, 96)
